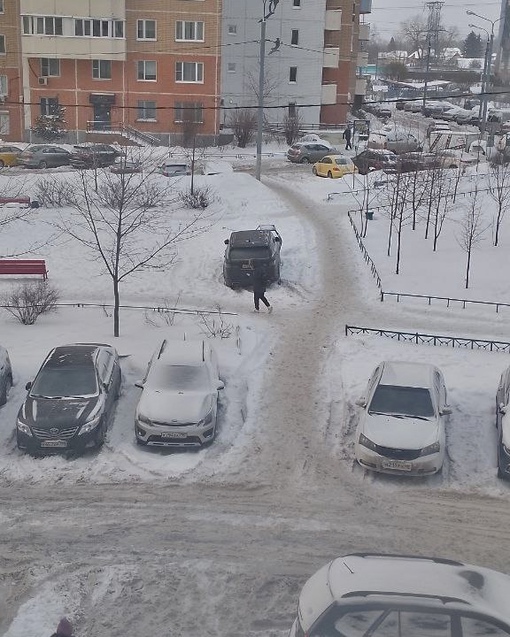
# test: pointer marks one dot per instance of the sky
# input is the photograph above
(240, 202)
(388, 14)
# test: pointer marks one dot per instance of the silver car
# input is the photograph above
(44, 156)
(309, 153)
(179, 401)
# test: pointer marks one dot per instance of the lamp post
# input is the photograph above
(269, 7)
(485, 75)
(487, 66)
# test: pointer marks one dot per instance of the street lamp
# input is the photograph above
(490, 46)
(485, 75)
(269, 7)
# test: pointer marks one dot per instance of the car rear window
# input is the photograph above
(404, 401)
(250, 252)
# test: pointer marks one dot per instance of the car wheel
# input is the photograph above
(314, 170)
(305, 160)
(330, 174)
(452, 166)
(501, 475)
(2, 163)
(5, 390)
(101, 435)
(43, 165)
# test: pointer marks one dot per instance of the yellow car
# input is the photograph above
(334, 166)
(9, 156)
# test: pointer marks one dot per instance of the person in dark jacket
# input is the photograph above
(347, 136)
(259, 289)
(64, 628)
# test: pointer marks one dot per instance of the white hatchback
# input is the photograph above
(375, 595)
(401, 429)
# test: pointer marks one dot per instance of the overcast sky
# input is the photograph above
(388, 14)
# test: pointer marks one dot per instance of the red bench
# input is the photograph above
(21, 201)
(24, 266)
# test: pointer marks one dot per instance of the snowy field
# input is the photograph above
(286, 422)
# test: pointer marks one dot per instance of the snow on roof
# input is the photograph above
(407, 374)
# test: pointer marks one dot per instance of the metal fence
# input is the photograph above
(448, 300)
(432, 339)
(365, 254)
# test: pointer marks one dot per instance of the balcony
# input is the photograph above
(364, 32)
(365, 6)
(361, 86)
(328, 94)
(333, 20)
(331, 57)
(362, 59)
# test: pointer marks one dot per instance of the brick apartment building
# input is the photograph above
(164, 69)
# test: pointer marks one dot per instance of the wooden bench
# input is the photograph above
(24, 266)
(21, 201)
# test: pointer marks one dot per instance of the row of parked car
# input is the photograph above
(402, 426)
(51, 156)
(71, 401)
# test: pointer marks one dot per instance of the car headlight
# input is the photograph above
(206, 420)
(433, 448)
(144, 419)
(25, 429)
(90, 425)
(366, 442)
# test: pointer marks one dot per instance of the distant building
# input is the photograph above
(502, 68)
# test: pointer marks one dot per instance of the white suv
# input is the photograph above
(401, 429)
(374, 595)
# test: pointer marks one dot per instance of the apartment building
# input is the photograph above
(311, 63)
(146, 68)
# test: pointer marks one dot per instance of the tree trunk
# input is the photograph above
(116, 308)
(468, 266)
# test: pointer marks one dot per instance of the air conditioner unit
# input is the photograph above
(43, 81)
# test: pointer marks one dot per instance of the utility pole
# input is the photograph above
(269, 7)
(427, 71)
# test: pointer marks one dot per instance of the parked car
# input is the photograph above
(44, 156)
(436, 109)
(455, 158)
(451, 114)
(313, 138)
(373, 159)
(334, 166)
(401, 429)
(94, 155)
(398, 141)
(503, 424)
(247, 249)
(411, 162)
(438, 125)
(124, 167)
(309, 152)
(171, 168)
(377, 595)
(179, 402)
(71, 400)
(5, 375)
(9, 155)
(400, 105)
(468, 118)
(413, 106)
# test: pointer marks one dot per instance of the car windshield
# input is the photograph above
(61, 381)
(403, 401)
(249, 252)
(179, 377)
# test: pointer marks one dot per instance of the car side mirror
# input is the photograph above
(446, 411)
(226, 242)
(139, 383)
(277, 239)
(503, 408)
(221, 385)
(361, 402)
(28, 386)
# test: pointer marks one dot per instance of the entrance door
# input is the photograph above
(102, 116)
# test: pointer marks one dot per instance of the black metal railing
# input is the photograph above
(432, 339)
(365, 254)
(450, 301)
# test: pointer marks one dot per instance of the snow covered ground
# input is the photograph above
(219, 541)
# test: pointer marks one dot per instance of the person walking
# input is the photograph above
(64, 628)
(259, 289)
(347, 136)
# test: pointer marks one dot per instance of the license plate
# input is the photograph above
(400, 465)
(172, 434)
(246, 266)
(59, 444)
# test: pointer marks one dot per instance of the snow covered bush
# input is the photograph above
(199, 198)
(51, 127)
(29, 300)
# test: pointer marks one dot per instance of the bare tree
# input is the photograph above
(414, 34)
(471, 232)
(244, 123)
(292, 127)
(127, 226)
(499, 190)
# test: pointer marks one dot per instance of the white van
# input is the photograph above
(446, 139)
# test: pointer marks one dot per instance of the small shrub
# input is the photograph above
(55, 194)
(165, 314)
(215, 326)
(29, 300)
(200, 198)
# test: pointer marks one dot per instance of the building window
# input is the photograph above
(189, 112)
(4, 85)
(49, 105)
(146, 30)
(293, 74)
(232, 29)
(296, 4)
(50, 67)
(33, 25)
(231, 67)
(5, 125)
(1, 6)
(294, 36)
(102, 69)
(147, 70)
(2, 43)
(189, 31)
(189, 72)
(99, 28)
(146, 110)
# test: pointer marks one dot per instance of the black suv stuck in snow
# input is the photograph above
(71, 401)
(250, 249)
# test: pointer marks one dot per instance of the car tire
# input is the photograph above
(305, 160)
(43, 165)
(314, 171)
(501, 475)
(101, 435)
(5, 390)
(2, 164)
(330, 174)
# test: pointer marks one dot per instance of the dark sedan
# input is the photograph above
(95, 156)
(71, 401)
(411, 162)
(374, 159)
(44, 156)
